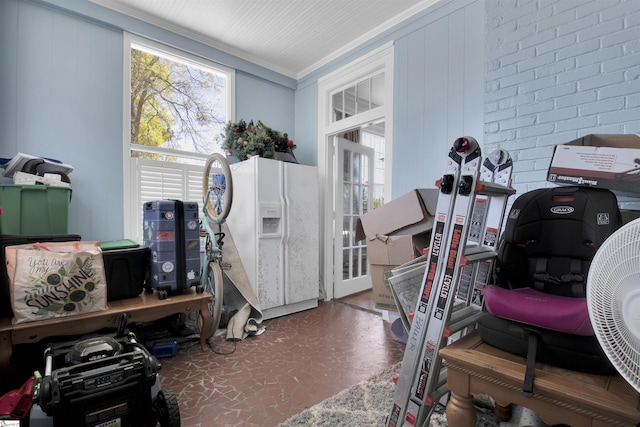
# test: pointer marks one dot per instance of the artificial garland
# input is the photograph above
(243, 140)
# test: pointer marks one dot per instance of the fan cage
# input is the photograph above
(613, 286)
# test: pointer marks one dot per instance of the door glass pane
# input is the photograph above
(364, 262)
(363, 100)
(346, 165)
(354, 262)
(356, 168)
(356, 199)
(337, 106)
(377, 91)
(364, 208)
(364, 259)
(346, 198)
(350, 101)
(346, 231)
(352, 230)
(365, 165)
(346, 264)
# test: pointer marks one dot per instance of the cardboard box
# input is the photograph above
(606, 160)
(396, 233)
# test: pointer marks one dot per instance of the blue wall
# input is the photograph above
(306, 124)
(259, 99)
(438, 92)
(61, 96)
(438, 89)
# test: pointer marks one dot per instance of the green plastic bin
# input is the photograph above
(34, 209)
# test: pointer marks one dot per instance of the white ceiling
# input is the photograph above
(292, 37)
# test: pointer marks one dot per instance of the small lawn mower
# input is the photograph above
(102, 381)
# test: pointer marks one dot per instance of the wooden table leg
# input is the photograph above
(207, 323)
(461, 411)
(503, 412)
(6, 348)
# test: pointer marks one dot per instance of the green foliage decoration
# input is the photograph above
(243, 140)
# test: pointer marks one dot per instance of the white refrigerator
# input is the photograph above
(274, 222)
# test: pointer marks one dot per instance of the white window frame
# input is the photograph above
(132, 202)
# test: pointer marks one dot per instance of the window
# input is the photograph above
(365, 95)
(176, 108)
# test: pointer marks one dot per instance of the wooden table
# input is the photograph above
(145, 308)
(559, 396)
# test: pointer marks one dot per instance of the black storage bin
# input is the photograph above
(10, 240)
(126, 268)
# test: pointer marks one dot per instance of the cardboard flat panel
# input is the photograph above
(381, 290)
(608, 140)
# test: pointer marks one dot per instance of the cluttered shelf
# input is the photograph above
(145, 308)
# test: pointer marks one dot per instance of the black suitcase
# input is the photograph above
(171, 230)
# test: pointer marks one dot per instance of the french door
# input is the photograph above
(355, 112)
(354, 197)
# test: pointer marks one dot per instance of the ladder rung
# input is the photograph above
(436, 395)
(442, 376)
(462, 313)
(493, 189)
(460, 319)
(458, 305)
(465, 322)
(475, 254)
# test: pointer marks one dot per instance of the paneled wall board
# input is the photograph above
(439, 90)
(68, 106)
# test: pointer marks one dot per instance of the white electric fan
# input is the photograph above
(613, 298)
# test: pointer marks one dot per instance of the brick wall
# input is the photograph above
(557, 70)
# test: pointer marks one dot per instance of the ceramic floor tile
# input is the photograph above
(299, 361)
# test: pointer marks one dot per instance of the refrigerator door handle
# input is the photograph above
(286, 232)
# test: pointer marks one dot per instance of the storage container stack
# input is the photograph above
(34, 208)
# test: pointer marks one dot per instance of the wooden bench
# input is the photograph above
(559, 396)
(145, 308)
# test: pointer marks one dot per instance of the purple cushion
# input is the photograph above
(526, 305)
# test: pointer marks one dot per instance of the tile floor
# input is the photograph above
(299, 361)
